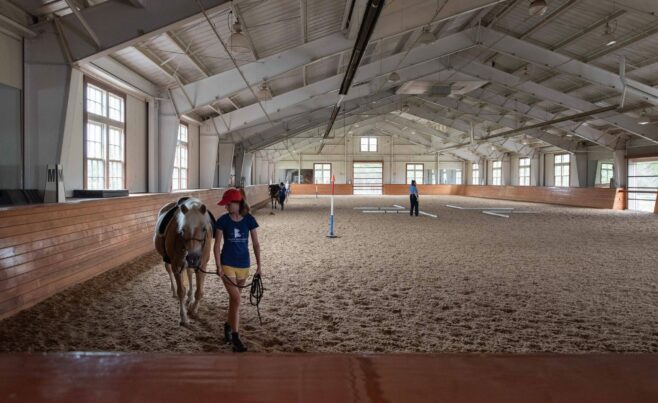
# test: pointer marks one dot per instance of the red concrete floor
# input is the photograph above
(104, 377)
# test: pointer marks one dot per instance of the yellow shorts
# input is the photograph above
(237, 272)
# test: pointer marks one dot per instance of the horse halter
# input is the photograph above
(203, 243)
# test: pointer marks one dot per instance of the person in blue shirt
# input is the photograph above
(282, 194)
(413, 198)
(234, 228)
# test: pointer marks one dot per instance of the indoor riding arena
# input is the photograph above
(329, 200)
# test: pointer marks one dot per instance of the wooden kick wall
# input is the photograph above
(45, 249)
(568, 196)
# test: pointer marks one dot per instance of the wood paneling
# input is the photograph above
(578, 197)
(435, 190)
(47, 248)
(310, 189)
(309, 377)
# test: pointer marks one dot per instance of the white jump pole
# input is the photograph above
(331, 216)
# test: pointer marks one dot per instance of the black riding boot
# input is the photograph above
(227, 333)
(238, 346)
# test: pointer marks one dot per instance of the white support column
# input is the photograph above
(46, 80)
(507, 170)
(168, 131)
(247, 162)
(299, 169)
(153, 146)
(208, 161)
(72, 149)
(271, 172)
(621, 168)
(536, 170)
(225, 163)
(579, 179)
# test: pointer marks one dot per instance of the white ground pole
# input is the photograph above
(420, 212)
(481, 208)
(428, 214)
(493, 213)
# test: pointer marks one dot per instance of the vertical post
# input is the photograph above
(436, 171)
(331, 215)
(299, 170)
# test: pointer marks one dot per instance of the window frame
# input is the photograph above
(415, 171)
(611, 170)
(475, 179)
(107, 123)
(315, 182)
(561, 164)
(187, 159)
(497, 173)
(369, 144)
(521, 168)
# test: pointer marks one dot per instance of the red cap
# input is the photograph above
(230, 196)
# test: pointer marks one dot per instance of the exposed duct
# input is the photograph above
(370, 17)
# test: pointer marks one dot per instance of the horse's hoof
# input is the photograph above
(185, 324)
(193, 315)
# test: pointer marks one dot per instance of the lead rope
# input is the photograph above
(256, 290)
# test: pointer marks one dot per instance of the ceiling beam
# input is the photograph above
(421, 109)
(124, 25)
(185, 48)
(161, 65)
(229, 82)
(577, 128)
(370, 78)
(352, 111)
(512, 82)
(535, 54)
(118, 71)
(477, 113)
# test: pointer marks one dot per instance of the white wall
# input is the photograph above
(193, 156)
(136, 143)
(11, 67)
(394, 154)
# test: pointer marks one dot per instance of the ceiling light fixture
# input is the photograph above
(264, 93)
(644, 118)
(609, 33)
(426, 37)
(238, 42)
(393, 77)
(537, 7)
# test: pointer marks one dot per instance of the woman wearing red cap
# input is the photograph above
(233, 259)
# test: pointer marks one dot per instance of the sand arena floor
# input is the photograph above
(557, 280)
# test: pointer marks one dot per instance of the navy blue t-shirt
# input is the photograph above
(235, 251)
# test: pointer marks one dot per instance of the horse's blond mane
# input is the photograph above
(193, 206)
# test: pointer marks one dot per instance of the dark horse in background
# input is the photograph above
(274, 195)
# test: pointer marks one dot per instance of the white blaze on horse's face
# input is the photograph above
(192, 222)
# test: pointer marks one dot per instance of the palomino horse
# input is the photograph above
(183, 237)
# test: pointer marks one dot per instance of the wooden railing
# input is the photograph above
(47, 248)
(311, 189)
(578, 197)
